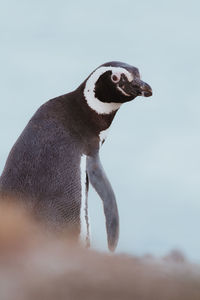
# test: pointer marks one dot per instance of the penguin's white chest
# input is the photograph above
(84, 209)
(84, 218)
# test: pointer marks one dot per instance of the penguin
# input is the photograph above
(56, 156)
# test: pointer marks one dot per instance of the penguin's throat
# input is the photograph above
(103, 135)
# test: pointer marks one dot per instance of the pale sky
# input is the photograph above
(152, 153)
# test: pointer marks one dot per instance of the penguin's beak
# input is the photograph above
(137, 87)
(144, 89)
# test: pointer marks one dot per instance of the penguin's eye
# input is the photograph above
(115, 78)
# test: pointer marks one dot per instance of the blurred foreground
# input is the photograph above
(35, 264)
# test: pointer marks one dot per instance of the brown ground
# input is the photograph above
(36, 265)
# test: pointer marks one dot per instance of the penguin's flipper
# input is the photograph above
(100, 182)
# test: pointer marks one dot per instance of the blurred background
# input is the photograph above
(152, 154)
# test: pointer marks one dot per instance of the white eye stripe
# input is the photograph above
(89, 91)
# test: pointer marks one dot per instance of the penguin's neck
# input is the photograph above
(86, 124)
(94, 121)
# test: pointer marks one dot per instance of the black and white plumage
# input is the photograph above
(43, 168)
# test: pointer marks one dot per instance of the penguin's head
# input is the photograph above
(112, 84)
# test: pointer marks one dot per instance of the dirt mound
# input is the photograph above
(38, 265)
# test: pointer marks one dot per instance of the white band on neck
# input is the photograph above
(89, 91)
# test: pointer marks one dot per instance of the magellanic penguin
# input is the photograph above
(43, 168)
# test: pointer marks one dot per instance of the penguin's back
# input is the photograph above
(43, 167)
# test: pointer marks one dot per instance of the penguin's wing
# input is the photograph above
(100, 182)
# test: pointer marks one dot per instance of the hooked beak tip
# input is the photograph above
(146, 90)
(148, 93)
